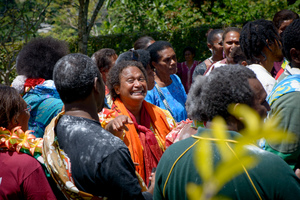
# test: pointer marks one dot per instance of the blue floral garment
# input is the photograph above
(45, 104)
(175, 96)
(287, 85)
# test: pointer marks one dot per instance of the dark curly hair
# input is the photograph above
(142, 42)
(74, 77)
(283, 15)
(155, 48)
(291, 38)
(115, 72)
(103, 58)
(211, 95)
(254, 37)
(11, 105)
(38, 57)
(238, 55)
(211, 36)
(143, 56)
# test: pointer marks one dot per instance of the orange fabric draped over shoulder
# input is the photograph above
(161, 129)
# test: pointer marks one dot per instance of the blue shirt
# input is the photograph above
(45, 104)
(175, 96)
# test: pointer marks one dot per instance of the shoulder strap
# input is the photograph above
(162, 97)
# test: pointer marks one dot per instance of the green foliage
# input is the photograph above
(150, 15)
(183, 23)
(63, 16)
(180, 38)
(19, 22)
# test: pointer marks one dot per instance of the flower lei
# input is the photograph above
(17, 140)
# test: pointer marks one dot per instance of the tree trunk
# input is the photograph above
(82, 26)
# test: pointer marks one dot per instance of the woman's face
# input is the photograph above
(189, 56)
(232, 39)
(21, 119)
(167, 63)
(133, 85)
(217, 46)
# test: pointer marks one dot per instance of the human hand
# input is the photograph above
(118, 125)
(297, 172)
(152, 179)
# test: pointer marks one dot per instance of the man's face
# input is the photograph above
(260, 104)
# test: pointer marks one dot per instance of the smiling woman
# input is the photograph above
(142, 126)
(230, 39)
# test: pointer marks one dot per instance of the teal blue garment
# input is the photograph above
(45, 105)
(285, 107)
(175, 96)
(287, 85)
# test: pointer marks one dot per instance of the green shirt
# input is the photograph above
(272, 177)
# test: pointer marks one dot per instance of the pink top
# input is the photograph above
(22, 177)
(185, 74)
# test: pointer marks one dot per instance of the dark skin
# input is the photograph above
(295, 56)
(271, 56)
(259, 105)
(166, 66)
(90, 106)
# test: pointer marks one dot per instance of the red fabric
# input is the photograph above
(32, 82)
(22, 177)
(106, 90)
(276, 68)
(152, 151)
(185, 74)
(279, 73)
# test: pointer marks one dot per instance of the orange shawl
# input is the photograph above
(132, 140)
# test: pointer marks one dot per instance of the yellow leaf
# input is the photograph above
(193, 191)
(219, 131)
(203, 158)
(227, 171)
(248, 116)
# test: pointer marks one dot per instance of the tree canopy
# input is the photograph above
(77, 20)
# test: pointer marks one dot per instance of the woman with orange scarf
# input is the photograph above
(142, 126)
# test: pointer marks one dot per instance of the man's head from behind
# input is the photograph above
(291, 43)
(211, 95)
(75, 77)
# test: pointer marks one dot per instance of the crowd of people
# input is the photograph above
(126, 126)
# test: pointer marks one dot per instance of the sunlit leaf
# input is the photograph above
(220, 132)
(248, 116)
(203, 158)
